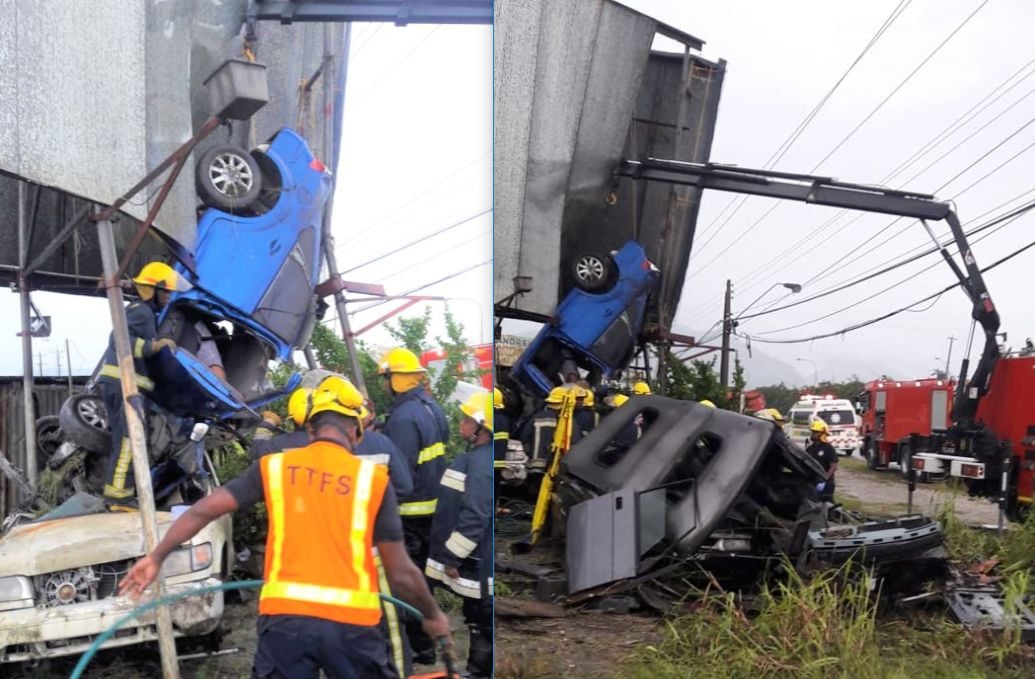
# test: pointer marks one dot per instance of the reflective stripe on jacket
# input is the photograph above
(322, 505)
(140, 319)
(413, 427)
(461, 532)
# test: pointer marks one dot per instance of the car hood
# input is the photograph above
(59, 544)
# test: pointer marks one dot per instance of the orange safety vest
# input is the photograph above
(322, 502)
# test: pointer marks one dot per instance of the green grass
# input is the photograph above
(828, 626)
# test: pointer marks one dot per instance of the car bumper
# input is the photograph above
(34, 633)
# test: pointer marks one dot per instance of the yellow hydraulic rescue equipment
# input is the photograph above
(561, 443)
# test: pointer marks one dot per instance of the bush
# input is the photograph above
(250, 525)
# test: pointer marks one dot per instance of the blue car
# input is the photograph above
(256, 275)
(595, 327)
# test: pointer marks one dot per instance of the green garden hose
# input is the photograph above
(226, 586)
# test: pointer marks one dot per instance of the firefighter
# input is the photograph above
(641, 389)
(298, 404)
(824, 453)
(707, 404)
(630, 432)
(413, 425)
(461, 533)
(155, 284)
(319, 608)
(585, 416)
(537, 433)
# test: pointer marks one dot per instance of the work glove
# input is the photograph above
(159, 344)
(821, 486)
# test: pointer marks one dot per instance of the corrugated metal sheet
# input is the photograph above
(94, 94)
(576, 88)
(48, 396)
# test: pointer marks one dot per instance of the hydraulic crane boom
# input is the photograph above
(830, 192)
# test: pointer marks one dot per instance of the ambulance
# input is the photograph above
(838, 413)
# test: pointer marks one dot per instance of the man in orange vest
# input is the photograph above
(319, 608)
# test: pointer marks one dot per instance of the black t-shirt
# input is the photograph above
(823, 453)
(247, 490)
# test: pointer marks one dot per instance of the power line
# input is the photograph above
(888, 315)
(424, 286)
(437, 232)
(411, 201)
(852, 132)
(933, 143)
(384, 76)
(451, 249)
(797, 132)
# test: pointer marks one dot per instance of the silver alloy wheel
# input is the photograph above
(231, 175)
(92, 414)
(589, 269)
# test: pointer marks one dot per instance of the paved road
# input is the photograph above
(886, 490)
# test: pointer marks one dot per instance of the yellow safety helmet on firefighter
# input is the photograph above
(641, 389)
(619, 400)
(399, 360)
(706, 403)
(337, 395)
(556, 396)
(158, 275)
(819, 426)
(298, 405)
(771, 414)
(497, 398)
(479, 408)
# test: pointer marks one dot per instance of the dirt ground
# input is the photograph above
(885, 492)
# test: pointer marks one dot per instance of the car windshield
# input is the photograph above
(615, 346)
(838, 418)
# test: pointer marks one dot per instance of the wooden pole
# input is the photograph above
(137, 438)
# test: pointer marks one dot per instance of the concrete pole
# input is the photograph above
(137, 438)
(23, 293)
(330, 113)
(68, 360)
(727, 328)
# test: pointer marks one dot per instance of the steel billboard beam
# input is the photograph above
(400, 13)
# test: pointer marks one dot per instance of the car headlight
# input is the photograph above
(15, 593)
(188, 560)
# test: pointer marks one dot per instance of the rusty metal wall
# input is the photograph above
(94, 94)
(48, 395)
(576, 89)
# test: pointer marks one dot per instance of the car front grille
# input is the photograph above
(79, 585)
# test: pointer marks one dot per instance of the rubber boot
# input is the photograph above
(479, 659)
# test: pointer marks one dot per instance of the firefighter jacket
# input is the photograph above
(441, 423)
(585, 421)
(413, 428)
(140, 317)
(461, 532)
(537, 437)
(500, 438)
(321, 568)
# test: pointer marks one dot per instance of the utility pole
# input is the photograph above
(68, 360)
(39, 358)
(26, 304)
(948, 356)
(727, 329)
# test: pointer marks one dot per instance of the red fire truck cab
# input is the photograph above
(896, 412)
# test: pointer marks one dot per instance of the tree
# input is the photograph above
(699, 380)
(333, 354)
(412, 332)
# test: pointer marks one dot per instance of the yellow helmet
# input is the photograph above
(156, 275)
(478, 407)
(337, 395)
(771, 414)
(707, 404)
(619, 400)
(399, 360)
(590, 400)
(298, 405)
(556, 396)
(819, 426)
(497, 398)
(641, 389)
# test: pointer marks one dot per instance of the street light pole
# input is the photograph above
(727, 328)
(948, 356)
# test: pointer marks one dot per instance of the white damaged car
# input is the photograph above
(59, 577)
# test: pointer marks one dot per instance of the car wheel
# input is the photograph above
(84, 421)
(228, 178)
(593, 272)
(872, 452)
(905, 459)
(48, 438)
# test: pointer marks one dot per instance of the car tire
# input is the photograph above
(48, 438)
(228, 178)
(905, 459)
(84, 421)
(871, 452)
(593, 272)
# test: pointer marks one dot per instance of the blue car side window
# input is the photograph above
(288, 301)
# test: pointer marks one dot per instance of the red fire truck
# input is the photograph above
(895, 411)
(481, 359)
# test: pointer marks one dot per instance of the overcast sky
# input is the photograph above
(415, 159)
(783, 58)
